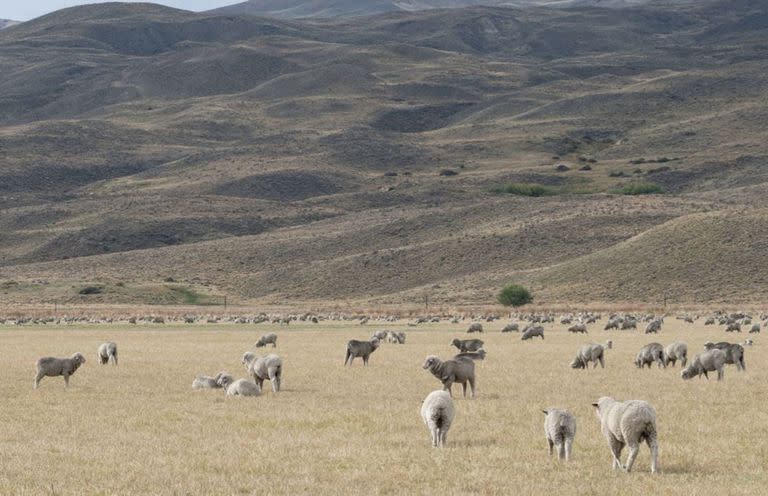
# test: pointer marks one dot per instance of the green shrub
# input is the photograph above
(638, 188)
(514, 295)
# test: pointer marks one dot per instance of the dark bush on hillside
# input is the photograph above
(639, 188)
(514, 295)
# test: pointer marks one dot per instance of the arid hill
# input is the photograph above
(166, 156)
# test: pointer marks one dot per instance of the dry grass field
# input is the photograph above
(140, 429)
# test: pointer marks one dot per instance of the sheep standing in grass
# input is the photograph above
(589, 353)
(263, 368)
(53, 367)
(475, 327)
(239, 387)
(734, 353)
(755, 329)
(362, 349)
(652, 352)
(560, 429)
(628, 423)
(582, 328)
(266, 339)
(707, 361)
(107, 352)
(674, 352)
(513, 327)
(380, 335)
(450, 371)
(438, 411)
(206, 382)
(532, 331)
(465, 345)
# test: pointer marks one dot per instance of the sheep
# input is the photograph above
(380, 335)
(513, 327)
(611, 324)
(748, 342)
(262, 368)
(589, 353)
(362, 349)
(532, 331)
(674, 352)
(628, 324)
(653, 327)
(706, 361)
(472, 355)
(734, 353)
(755, 329)
(205, 382)
(400, 336)
(560, 429)
(107, 352)
(475, 327)
(52, 367)
(733, 327)
(438, 412)
(450, 371)
(239, 387)
(582, 328)
(628, 423)
(266, 339)
(652, 352)
(465, 345)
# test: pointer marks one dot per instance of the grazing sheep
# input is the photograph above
(450, 371)
(611, 324)
(475, 327)
(266, 339)
(755, 329)
(438, 411)
(380, 335)
(674, 352)
(205, 382)
(652, 352)
(400, 336)
(472, 355)
(52, 367)
(628, 423)
(107, 352)
(467, 344)
(706, 361)
(239, 387)
(263, 368)
(582, 328)
(362, 349)
(709, 321)
(513, 327)
(653, 327)
(733, 327)
(589, 353)
(734, 353)
(532, 331)
(628, 324)
(560, 429)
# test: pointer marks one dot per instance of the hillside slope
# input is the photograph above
(157, 153)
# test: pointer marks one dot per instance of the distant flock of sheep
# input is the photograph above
(627, 423)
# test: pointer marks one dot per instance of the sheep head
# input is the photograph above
(430, 362)
(79, 358)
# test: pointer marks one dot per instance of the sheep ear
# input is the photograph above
(595, 405)
(546, 412)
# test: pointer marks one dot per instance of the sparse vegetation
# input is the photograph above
(514, 295)
(91, 290)
(638, 188)
(526, 189)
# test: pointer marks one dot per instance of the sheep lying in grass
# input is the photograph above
(107, 352)
(239, 387)
(628, 423)
(263, 368)
(52, 367)
(206, 382)
(438, 412)
(266, 339)
(450, 371)
(594, 353)
(707, 361)
(560, 429)
(362, 349)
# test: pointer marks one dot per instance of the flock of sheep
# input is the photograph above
(627, 423)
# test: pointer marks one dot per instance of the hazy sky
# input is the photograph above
(24, 10)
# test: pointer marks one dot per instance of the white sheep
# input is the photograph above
(107, 352)
(239, 387)
(628, 423)
(560, 429)
(266, 367)
(53, 367)
(437, 411)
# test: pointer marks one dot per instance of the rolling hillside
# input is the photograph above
(157, 153)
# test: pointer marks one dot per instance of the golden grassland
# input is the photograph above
(139, 428)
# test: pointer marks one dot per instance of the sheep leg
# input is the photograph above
(472, 386)
(443, 437)
(66, 380)
(114, 358)
(274, 379)
(435, 435)
(464, 388)
(568, 446)
(633, 450)
(720, 374)
(38, 377)
(365, 359)
(654, 446)
(447, 387)
(560, 450)
(616, 447)
(551, 446)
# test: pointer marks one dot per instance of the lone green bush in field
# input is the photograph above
(639, 188)
(514, 295)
